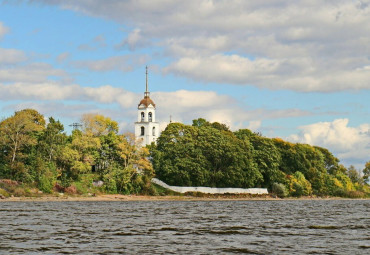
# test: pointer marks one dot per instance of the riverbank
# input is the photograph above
(119, 197)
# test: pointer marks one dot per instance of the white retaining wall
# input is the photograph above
(209, 190)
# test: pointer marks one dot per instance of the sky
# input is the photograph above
(298, 70)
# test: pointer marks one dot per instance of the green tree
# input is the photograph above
(97, 125)
(266, 155)
(204, 154)
(366, 172)
(18, 134)
(353, 174)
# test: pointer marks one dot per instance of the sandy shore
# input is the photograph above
(119, 197)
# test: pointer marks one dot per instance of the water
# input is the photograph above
(185, 227)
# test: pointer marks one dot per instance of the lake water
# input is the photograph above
(186, 227)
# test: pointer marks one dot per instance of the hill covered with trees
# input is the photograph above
(209, 154)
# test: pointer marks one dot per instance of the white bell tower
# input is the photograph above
(146, 128)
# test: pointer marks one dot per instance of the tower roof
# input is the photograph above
(146, 101)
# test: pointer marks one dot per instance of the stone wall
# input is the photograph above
(209, 190)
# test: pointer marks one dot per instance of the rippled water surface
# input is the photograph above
(186, 227)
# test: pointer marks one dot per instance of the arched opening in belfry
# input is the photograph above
(153, 131)
(142, 131)
(150, 117)
(142, 116)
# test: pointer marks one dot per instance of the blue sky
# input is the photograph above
(298, 71)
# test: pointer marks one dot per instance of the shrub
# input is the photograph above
(45, 184)
(355, 194)
(279, 190)
(71, 190)
(58, 187)
(4, 193)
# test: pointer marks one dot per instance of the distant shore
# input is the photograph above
(119, 197)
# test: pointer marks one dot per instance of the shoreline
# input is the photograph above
(119, 197)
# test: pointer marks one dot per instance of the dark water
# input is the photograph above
(186, 227)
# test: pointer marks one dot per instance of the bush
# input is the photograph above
(58, 187)
(355, 194)
(110, 184)
(279, 190)
(298, 190)
(46, 184)
(4, 193)
(72, 190)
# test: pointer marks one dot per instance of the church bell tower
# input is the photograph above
(146, 128)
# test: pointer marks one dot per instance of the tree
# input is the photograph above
(266, 155)
(353, 174)
(17, 133)
(366, 172)
(97, 125)
(204, 154)
(52, 139)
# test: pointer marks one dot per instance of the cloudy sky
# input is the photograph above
(298, 70)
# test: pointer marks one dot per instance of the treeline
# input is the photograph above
(209, 154)
(39, 154)
(35, 153)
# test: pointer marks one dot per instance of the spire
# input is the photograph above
(146, 93)
(146, 101)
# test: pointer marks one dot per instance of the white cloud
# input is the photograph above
(56, 91)
(182, 105)
(3, 30)
(293, 74)
(254, 125)
(11, 56)
(301, 45)
(134, 40)
(351, 144)
(34, 72)
(63, 57)
(122, 63)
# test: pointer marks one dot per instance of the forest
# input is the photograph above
(37, 156)
(93, 159)
(209, 154)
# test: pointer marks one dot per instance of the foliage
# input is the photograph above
(209, 154)
(366, 172)
(279, 189)
(204, 154)
(298, 185)
(43, 156)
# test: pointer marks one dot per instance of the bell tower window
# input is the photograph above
(153, 131)
(150, 117)
(142, 129)
(142, 116)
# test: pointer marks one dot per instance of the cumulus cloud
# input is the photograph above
(348, 143)
(134, 40)
(184, 106)
(301, 45)
(122, 63)
(292, 74)
(63, 57)
(11, 56)
(3, 30)
(57, 91)
(34, 72)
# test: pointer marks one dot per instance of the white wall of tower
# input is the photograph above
(146, 132)
(146, 111)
